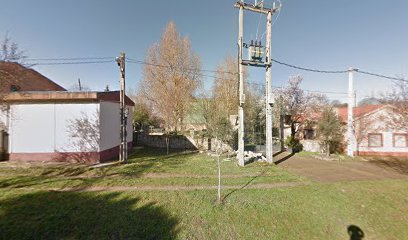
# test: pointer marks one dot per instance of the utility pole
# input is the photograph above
(269, 95)
(123, 142)
(350, 106)
(256, 61)
(241, 88)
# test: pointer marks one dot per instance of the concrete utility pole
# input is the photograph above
(269, 94)
(258, 8)
(350, 106)
(123, 142)
(241, 89)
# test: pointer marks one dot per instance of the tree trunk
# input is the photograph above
(327, 148)
(219, 178)
(292, 130)
(167, 144)
(357, 148)
(282, 134)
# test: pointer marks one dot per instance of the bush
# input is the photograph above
(294, 144)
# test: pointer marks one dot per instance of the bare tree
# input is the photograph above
(225, 88)
(298, 104)
(398, 97)
(170, 77)
(10, 51)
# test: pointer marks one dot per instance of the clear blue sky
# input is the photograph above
(368, 34)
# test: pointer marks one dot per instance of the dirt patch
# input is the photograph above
(337, 171)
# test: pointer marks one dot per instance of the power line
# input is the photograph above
(131, 60)
(96, 60)
(382, 76)
(71, 63)
(68, 59)
(341, 71)
(215, 77)
(308, 69)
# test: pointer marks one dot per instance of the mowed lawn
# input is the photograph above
(158, 196)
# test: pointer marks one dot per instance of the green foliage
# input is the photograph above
(221, 128)
(294, 144)
(330, 131)
(143, 117)
(254, 120)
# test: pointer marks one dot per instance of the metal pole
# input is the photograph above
(350, 132)
(269, 95)
(241, 90)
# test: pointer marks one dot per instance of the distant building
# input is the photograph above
(375, 132)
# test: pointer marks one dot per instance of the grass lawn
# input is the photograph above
(29, 209)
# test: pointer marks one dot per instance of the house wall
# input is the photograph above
(110, 129)
(3, 119)
(379, 122)
(45, 131)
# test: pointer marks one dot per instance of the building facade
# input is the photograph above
(65, 126)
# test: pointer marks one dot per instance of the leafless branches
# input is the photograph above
(10, 51)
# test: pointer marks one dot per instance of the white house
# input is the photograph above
(375, 133)
(65, 126)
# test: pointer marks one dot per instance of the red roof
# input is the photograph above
(357, 111)
(17, 77)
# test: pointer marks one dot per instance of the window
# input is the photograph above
(375, 140)
(14, 88)
(400, 140)
(308, 134)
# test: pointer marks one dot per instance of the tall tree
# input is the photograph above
(330, 130)
(170, 77)
(225, 89)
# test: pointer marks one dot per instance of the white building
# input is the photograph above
(375, 132)
(65, 126)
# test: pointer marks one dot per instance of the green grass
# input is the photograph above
(146, 167)
(29, 210)
(319, 211)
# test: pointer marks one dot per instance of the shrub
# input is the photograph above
(294, 144)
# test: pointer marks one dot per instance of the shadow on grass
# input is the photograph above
(284, 158)
(277, 153)
(397, 164)
(82, 176)
(76, 215)
(243, 186)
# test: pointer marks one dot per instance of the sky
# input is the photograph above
(329, 35)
